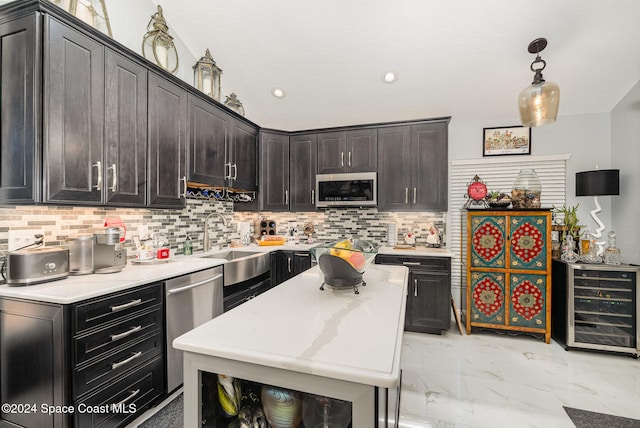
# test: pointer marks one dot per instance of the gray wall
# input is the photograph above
(625, 154)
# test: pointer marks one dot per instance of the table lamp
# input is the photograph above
(601, 182)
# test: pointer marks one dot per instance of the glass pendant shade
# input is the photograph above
(538, 104)
(157, 44)
(93, 12)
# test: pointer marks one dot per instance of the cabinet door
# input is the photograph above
(429, 167)
(332, 156)
(208, 126)
(487, 298)
(394, 174)
(362, 150)
(527, 303)
(33, 362)
(274, 167)
(73, 116)
(301, 262)
(303, 151)
(285, 268)
(125, 131)
(528, 235)
(244, 143)
(429, 302)
(19, 111)
(488, 241)
(167, 143)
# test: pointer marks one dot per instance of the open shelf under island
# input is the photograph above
(306, 341)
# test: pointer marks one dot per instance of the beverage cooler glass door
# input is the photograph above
(603, 308)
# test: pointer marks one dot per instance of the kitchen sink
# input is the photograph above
(242, 265)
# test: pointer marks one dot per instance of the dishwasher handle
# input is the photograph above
(190, 286)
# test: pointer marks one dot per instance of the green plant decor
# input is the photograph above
(570, 221)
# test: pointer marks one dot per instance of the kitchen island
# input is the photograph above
(330, 343)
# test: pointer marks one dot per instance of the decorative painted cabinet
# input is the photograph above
(508, 271)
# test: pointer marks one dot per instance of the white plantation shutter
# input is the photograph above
(498, 174)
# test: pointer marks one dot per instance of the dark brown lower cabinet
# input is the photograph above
(429, 292)
(101, 358)
(287, 264)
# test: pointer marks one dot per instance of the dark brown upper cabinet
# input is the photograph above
(222, 149)
(73, 87)
(347, 151)
(303, 151)
(413, 167)
(167, 167)
(19, 111)
(274, 172)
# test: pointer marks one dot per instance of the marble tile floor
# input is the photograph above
(492, 380)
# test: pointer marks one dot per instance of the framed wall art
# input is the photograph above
(512, 140)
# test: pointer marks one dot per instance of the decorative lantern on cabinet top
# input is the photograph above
(207, 76)
(157, 44)
(234, 104)
(93, 12)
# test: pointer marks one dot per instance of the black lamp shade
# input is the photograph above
(598, 183)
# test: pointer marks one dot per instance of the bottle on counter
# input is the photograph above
(187, 247)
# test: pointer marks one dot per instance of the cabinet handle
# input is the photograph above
(197, 284)
(341, 158)
(302, 254)
(98, 165)
(414, 195)
(286, 197)
(128, 360)
(114, 183)
(313, 197)
(289, 264)
(349, 159)
(133, 394)
(406, 195)
(415, 287)
(411, 263)
(131, 304)
(227, 176)
(184, 189)
(235, 171)
(129, 332)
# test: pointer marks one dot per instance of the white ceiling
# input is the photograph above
(460, 58)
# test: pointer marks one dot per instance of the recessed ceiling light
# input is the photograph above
(278, 92)
(389, 76)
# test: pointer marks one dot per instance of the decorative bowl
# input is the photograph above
(343, 262)
(500, 203)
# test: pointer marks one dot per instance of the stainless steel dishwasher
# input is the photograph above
(191, 300)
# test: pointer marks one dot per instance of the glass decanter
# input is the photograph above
(612, 253)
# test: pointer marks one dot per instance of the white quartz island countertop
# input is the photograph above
(298, 327)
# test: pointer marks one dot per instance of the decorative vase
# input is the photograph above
(526, 190)
(282, 407)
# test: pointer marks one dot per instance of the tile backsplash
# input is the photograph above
(60, 222)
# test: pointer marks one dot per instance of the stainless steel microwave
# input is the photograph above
(358, 189)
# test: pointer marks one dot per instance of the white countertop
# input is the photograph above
(81, 287)
(77, 288)
(298, 327)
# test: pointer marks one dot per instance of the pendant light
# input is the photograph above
(538, 103)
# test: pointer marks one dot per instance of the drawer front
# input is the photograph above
(123, 334)
(117, 363)
(429, 263)
(106, 309)
(123, 400)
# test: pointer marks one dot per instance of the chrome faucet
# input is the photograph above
(206, 228)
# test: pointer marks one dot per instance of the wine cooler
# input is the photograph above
(595, 306)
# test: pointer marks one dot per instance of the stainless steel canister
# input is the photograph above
(80, 254)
